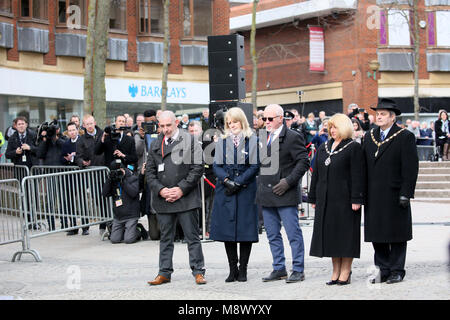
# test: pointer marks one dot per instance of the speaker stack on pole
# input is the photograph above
(226, 77)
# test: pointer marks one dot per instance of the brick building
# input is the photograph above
(43, 45)
(355, 34)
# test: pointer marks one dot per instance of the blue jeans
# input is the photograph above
(273, 217)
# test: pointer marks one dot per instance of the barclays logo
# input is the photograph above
(133, 90)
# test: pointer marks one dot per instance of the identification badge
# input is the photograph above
(24, 158)
(161, 167)
(118, 192)
(118, 203)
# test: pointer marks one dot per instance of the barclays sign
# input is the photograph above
(155, 91)
(150, 91)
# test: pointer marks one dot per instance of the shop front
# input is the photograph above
(43, 96)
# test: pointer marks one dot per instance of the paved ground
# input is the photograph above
(85, 268)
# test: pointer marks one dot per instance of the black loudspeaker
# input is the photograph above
(225, 57)
(224, 106)
(227, 91)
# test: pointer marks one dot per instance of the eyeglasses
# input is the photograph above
(268, 118)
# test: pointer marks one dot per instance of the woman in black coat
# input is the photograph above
(336, 193)
(235, 216)
(442, 130)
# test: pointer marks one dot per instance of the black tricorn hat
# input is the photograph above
(288, 115)
(387, 104)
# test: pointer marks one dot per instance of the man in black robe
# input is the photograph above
(392, 168)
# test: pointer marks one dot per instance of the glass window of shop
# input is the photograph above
(155, 10)
(5, 7)
(35, 9)
(37, 110)
(118, 19)
(197, 18)
(69, 8)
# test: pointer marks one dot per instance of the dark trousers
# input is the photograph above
(189, 223)
(390, 258)
(232, 253)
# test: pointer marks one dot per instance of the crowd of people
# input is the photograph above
(253, 180)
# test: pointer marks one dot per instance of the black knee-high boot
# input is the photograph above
(244, 251)
(231, 249)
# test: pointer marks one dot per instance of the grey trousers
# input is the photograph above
(189, 223)
(124, 231)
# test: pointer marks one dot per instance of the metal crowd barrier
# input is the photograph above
(38, 170)
(54, 202)
(12, 224)
(11, 171)
(307, 176)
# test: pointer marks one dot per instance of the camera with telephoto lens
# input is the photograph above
(116, 175)
(218, 121)
(150, 127)
(115, 132)
(49, 127)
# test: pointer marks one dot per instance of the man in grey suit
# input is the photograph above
(174, 168)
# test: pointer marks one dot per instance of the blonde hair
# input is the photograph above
(237, 114)
(343, 124)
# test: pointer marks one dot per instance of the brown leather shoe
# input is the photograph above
(200, 279)
(158, 280)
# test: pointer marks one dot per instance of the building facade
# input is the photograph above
(43, 48)
(368, 53)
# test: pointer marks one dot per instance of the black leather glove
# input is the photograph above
(231, 187)
(404, 202)
(281, 187)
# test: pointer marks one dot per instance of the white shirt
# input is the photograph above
(386, 132)
(277, 132)
(174, 137)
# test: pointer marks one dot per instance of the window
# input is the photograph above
(5, 6)
(155, 10)
(35, 9)
(78, 13)
(197, 18)
(443, 28)
(118, 19)
(398, 28)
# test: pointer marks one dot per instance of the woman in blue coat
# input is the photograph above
(235, 216)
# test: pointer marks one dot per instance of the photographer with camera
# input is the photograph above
(355, 112)
(123, 186)
(21, 149)
(144, 135)
(49, 153)
(116, 144)
(50, 145)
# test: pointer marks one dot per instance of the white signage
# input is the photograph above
(61, 86)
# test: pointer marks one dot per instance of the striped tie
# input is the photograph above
(382, 135)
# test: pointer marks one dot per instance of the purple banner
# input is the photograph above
(383, 36)
(431, 27)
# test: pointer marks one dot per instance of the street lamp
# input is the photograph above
(374, 65)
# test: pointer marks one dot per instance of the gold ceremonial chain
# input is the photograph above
(379, 144)
(328, 160)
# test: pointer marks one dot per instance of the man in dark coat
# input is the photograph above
(392, 168)
(21, 148)
(86, 156)
(174, 168)
(282, 167)
(121, 147)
